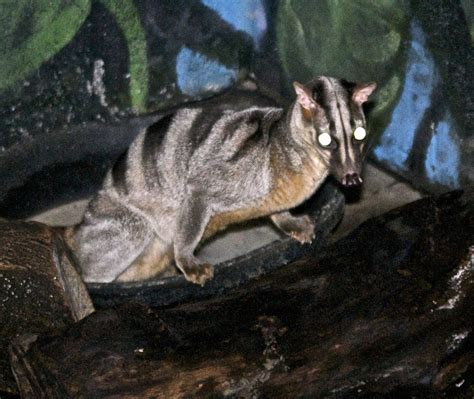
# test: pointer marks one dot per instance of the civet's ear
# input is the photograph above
(362, 91)
(304, 97)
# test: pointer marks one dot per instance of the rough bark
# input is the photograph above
(39, 287)
(385, 312)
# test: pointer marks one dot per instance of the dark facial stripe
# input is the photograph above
(154, 137)
(345, 135)
(336, 107)
(344, 93)
(119, 169)
(319, 93)
(321, 89)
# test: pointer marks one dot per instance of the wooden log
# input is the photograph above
(385, 312)
(39, 287)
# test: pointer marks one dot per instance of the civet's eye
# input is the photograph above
(360, 133)
(324, 139)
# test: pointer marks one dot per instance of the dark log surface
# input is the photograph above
(39, 287)
(386, 312)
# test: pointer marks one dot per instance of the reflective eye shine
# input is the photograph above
(360, 133)
(324, 139)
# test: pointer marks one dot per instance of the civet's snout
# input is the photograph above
(351, 179)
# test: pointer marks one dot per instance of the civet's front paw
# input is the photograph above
(302, 229)
(195, 271)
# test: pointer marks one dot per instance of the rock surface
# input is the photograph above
(385, 312)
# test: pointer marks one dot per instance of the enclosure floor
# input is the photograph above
(379, 193)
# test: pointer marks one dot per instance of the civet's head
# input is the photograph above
(332, 115)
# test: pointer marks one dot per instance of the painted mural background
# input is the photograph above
(74, 75)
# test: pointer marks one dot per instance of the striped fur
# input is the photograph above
(205, 166)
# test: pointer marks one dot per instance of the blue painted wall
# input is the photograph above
(197, 74)
(442, 158)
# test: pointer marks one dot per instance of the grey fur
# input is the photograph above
(216, 157)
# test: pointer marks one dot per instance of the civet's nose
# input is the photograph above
(351, 179)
